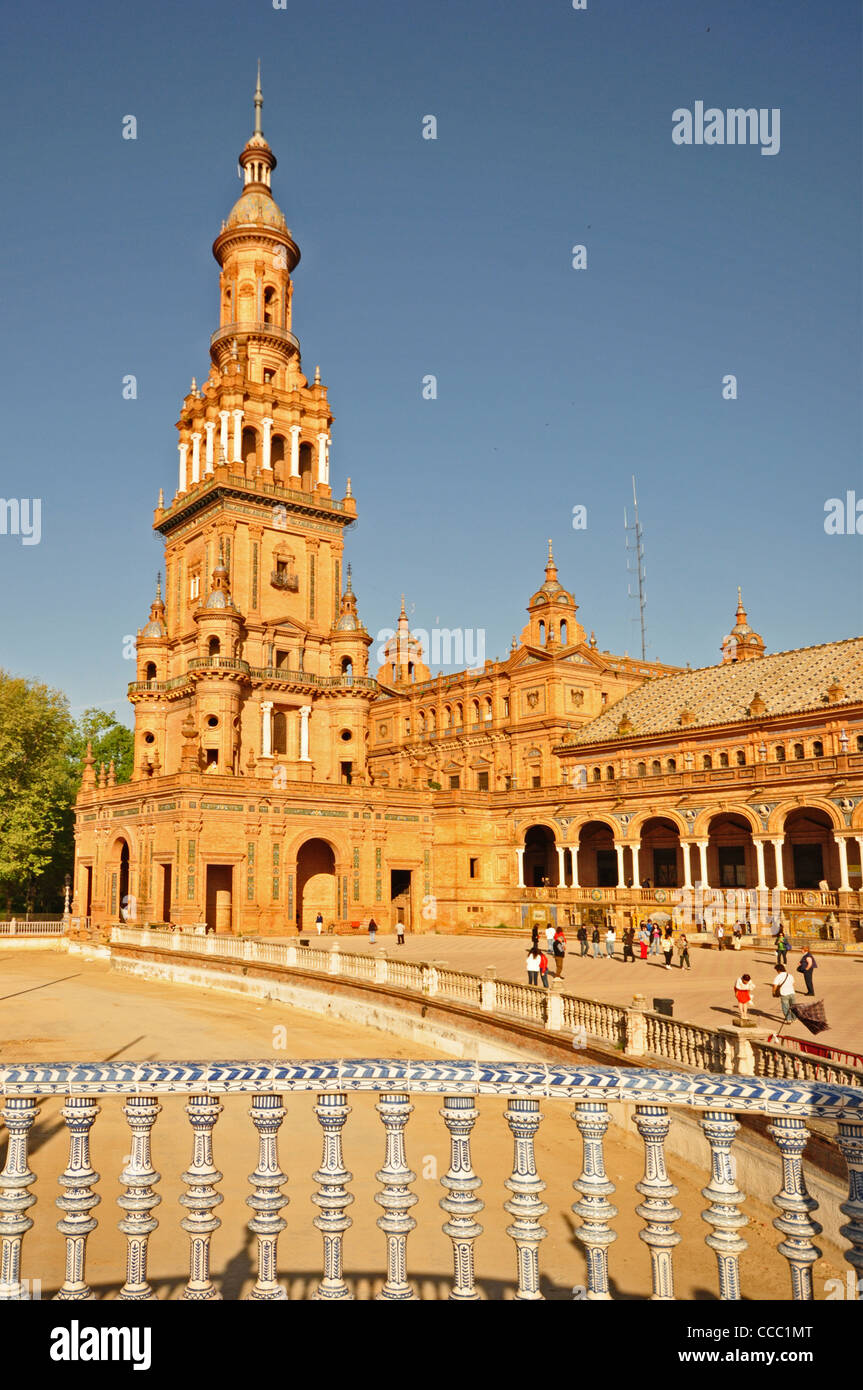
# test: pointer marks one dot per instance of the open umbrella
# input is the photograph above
(812, 1016)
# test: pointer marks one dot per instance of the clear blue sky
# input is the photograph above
(450, 257)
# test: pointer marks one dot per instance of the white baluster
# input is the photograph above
(525, 1205)
(79, 1112)
(594, 1209)
(139, 1198)
(656, 1210)
(332, 1110)
(395, 1198)
(724, 1197)
(850, 1140)
(19, 1114)
(202, 1197)
(460, 1116)
(791, 1137)
(267, 1200)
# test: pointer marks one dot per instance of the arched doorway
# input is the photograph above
(316, 884)
(731, 853)
(811, 856)
(658, 861)
(597, 857)
(540, 857)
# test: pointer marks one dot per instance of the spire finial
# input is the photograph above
(550, 552)
(550, 567)
(317, 376)
(259, 101)
(159, 587)
(349, 585)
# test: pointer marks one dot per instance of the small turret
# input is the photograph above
(742, 642)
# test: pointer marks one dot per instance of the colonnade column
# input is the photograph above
(777, 851)
(238, 435)
(759, 855)
(561, 866)
(295, 451)
(621, 876)
(266, 729)
(702, 861)
(687, 864)
(223, 435)
(210, 427)
(183, 450)
(267, 446)
(305, 711)
(196, 457)
(573, 854)
(844, 885)
(520, 852)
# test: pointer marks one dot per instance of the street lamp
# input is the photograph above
(67, 895)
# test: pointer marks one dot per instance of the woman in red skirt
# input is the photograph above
(743, 991)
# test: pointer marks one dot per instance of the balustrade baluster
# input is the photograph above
(79, 1112)
(460, 1115)
(525, 1206)
(724, 1197)
(332, 1111)
(19, 1114)
(267, 1200)
(139, 1199)
(202, 1197)
(594, 1208)
(850, 1140)
(794, 1201)
(656, 1210)
(395, 1198)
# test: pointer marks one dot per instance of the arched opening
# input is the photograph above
(811, 856)
(316, 884)
(542, 633)
(150, 671)
(596, 774)
(723, 759)
(280, 733)
(550, 633)
(731, 853)
(596, 856)
(540, 857)
(563, 633)
(447, 717)
(126, 907)
(347, 668)
(249, 448)
(659, 863)
(214, 647)
(779, 753)
(609, 773)
(655, 767)
(707, 762)
(269, 304)
(459, 715)
(306, 467)
(277, 457)
(641, 770)
(740, 757)
(474, 709)
(487, 709)
(671, 765)
(818, 749)
(799, 751)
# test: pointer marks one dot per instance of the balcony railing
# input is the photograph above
(218, 663)
(290, 583)
(266, 330)
(152, 1096)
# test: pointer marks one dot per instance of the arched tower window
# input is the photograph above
(214, 646)
(542, 632)
(269, 304)
(280, 732)
(306, 467)
(563, 633)
(150, 671)
(779, 753)
(249, 448)
(277, 456)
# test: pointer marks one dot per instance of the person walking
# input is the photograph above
(534, 936)
(558, 947)
(550, 929)
(643, 942)
(743, 992)
(400, 932)
(720, 936)
(683, 951)
(655, 937)
(628, 944)
(808, 963)
(783, 990)
(582, 939)
(609, 943)
(319, 923)
(537, 967)
(373, 931)
(594, 937)
(668, 946)
(781, 950)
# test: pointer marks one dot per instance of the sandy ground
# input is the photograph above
(57, 1007)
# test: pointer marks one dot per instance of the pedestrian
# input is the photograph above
(582, 939)
(683, 951)
(720, 936)
(628, 944)
(655, 937)
(594, 936)
(808, 963)
(781, 950)
(319, 923)
(400, 932)
(643, 942)
(743, 992)
(534, 936)
(537, 967)
(558, 948)
(549, 936)
(609, 943)
(783, 990)
(668, 946)
(373, 931)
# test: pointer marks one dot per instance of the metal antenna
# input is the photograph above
(636, 549)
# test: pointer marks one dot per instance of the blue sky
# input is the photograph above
(450, 257)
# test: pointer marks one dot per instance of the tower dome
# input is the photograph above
(742, 643)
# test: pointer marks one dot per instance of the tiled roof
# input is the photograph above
(787, 682)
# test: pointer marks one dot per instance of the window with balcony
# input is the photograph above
(655, 767)
(740, 757)
(482, 781)
(799, 751)
(723, 760)
(597, 774)
(779, 753)
(707, 762)
(641, 770)
(818, 749)
(609, 773)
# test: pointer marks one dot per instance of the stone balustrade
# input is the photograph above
(151, 1093)
(634, 1030)
(19, 926)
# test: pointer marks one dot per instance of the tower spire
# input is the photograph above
(259, 101)
(551, 567)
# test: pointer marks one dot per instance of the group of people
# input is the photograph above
(651, 939)
(783, 986)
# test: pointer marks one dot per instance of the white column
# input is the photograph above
(305, 711)
(238, 435)
(777, 850)
(759, 855)
(295, 451)
(561, 867)
(702, 861)
(266, 728)
(210, 427)
(687, 864)
(268, 425)
(844, 885)
(520, 853)
(224, 416)
(621, 876)
(184, 449)
(573, 851)
(323, 466)
(196, 457)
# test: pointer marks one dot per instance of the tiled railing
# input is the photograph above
(148, 1093)
(635, 1030)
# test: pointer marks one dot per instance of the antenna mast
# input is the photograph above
(635, 548)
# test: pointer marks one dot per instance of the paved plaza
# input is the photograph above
(57, 1007)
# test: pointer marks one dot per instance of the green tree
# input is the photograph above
(111, 741)
(36, 786)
